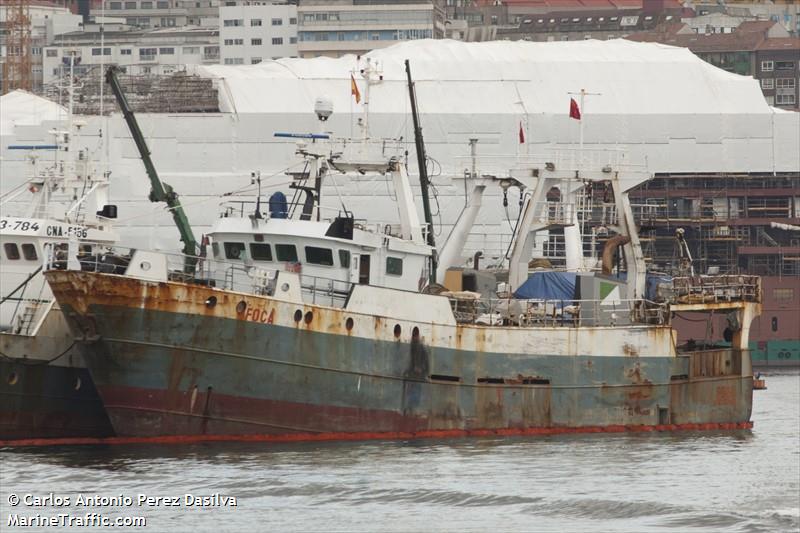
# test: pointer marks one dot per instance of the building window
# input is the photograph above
(277, 40)
(255, 42)
(234, 61)
(260, 251)
(319, 256)
(162, 5)
(785, 91)
(115, 5)
(768, 83)
(277, 22)
(255, 22)
(234, 250)
(29, 252)
(286, 252)
(784, 65)
(36, 50)
(766, 66)
(52, 53)
(234, 42)
(146, 5)
(394, 266)
(191, 49)
(233, 22)
(292, 40)
(12, 251)
(130, 5)
(166, 51)
(293, 21)
(255, 60)
(783, 295)
(148, 52)
(125, 51)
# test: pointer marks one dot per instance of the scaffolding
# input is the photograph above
(17, 64)
(146, 93)
(726, 218)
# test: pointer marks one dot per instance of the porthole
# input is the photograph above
(348, 324)
(13, 378)
(298, 315)
(241, 306)
(309, 317)
(285, 287)
(145, 266)
(397, 331)
(212, 301)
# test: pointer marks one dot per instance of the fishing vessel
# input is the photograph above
(61, 212)
(297, 325)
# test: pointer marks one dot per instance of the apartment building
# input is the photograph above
(161, 13)
(252, 32)
(334, 28)
(46, 20)
(159, 51)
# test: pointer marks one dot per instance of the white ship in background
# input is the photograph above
(60, 210)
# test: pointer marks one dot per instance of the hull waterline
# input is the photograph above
(168, 364)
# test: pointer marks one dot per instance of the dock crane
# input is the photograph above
(160, 191)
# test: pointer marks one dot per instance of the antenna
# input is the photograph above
(255, 177)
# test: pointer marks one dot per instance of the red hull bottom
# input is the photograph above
(387, 435)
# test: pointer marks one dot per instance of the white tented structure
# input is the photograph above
(659, 105)
(21, 108)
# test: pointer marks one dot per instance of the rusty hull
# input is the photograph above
(176, 359)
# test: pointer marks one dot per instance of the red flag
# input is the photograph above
(521, 134)
(354, 89)
(574, 110)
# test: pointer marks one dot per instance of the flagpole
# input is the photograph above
(580, 120)
(581, 112)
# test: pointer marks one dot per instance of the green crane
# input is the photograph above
(160, 191)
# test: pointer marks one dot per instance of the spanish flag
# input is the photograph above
(354, 89)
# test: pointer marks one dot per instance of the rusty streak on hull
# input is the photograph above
(166, 363)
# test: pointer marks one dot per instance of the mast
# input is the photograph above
(423, 172)
(160, 191)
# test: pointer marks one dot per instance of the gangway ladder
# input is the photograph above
(27, 323)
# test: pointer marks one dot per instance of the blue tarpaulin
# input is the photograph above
(548, 286)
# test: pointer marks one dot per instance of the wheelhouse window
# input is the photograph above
(12, 251)
(394, 266)
(29, 252)
(286, 252)
(234, 250)
(344, 258)
(319, 256)
(260, 251)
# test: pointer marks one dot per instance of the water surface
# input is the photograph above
(686, 481)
